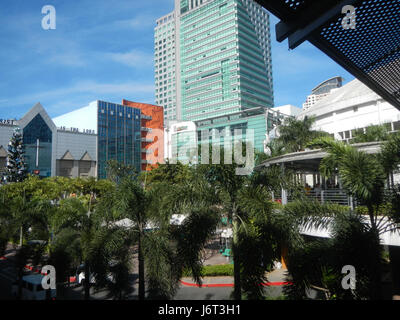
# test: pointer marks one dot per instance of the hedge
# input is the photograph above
(213, 271)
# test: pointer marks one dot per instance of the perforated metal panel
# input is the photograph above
(295, 4)
(371, 51)
(374, 45)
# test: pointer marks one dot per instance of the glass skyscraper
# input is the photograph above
(213, 58)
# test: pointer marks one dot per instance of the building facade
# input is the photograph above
(182, 138)
(351, 107)
(79, 143)
(166, 66)
(128, 133)
(51, 151)
(213, 58)
(181, 142)
(152, 133)
(119, 136)
(322, 90)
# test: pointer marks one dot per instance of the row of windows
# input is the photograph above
(210, 9)
(203, 107)
(214, 86)
(206, 66)
(209, 63)
(228, 44)
(219, 41)
(212, 29)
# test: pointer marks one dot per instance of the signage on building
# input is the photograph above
(10, 122)
(178, 129)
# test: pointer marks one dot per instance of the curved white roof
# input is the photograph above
(352, 94)
(83, 118)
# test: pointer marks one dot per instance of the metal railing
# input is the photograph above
(326, 196)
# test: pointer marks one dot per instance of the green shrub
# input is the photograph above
(213, 271)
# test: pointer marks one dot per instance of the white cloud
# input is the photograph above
(90, 88)
(133, 58)
(138, 22)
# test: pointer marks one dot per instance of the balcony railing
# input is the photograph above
(337, 196)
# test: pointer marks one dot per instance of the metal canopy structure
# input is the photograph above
(370, 51)
(309, 160)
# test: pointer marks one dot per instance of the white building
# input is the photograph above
(288, 110)
(166, 69)
(353, 106)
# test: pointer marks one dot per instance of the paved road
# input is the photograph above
(7, 277)
(193, 293)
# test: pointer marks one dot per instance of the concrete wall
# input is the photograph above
(77, 144)
(6, 133)
(76, 168)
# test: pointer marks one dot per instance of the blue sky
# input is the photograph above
(103, 50)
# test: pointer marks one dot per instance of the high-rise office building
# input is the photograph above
(323, 90)
(165, 65)
(213, 58)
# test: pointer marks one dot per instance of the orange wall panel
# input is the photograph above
(157, 133)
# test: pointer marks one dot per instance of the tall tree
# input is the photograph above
(296, 134)
(16, 169)
(363, 176)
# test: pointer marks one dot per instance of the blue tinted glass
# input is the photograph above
(37, 138)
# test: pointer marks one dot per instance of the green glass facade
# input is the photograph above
(242, 121)
(225, 59)
(223, 67)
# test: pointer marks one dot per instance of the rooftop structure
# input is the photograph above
(322, 90)
(351, 107)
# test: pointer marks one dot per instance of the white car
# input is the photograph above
(32, 289)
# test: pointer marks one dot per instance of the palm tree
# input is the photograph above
(371, 133)
(78, 220)
(134, 202)
(318, 263)
(259, 230)
(296, 134)
(199, 203)
(363, 176)
(262, 233)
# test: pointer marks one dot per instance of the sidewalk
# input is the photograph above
(275, 278)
